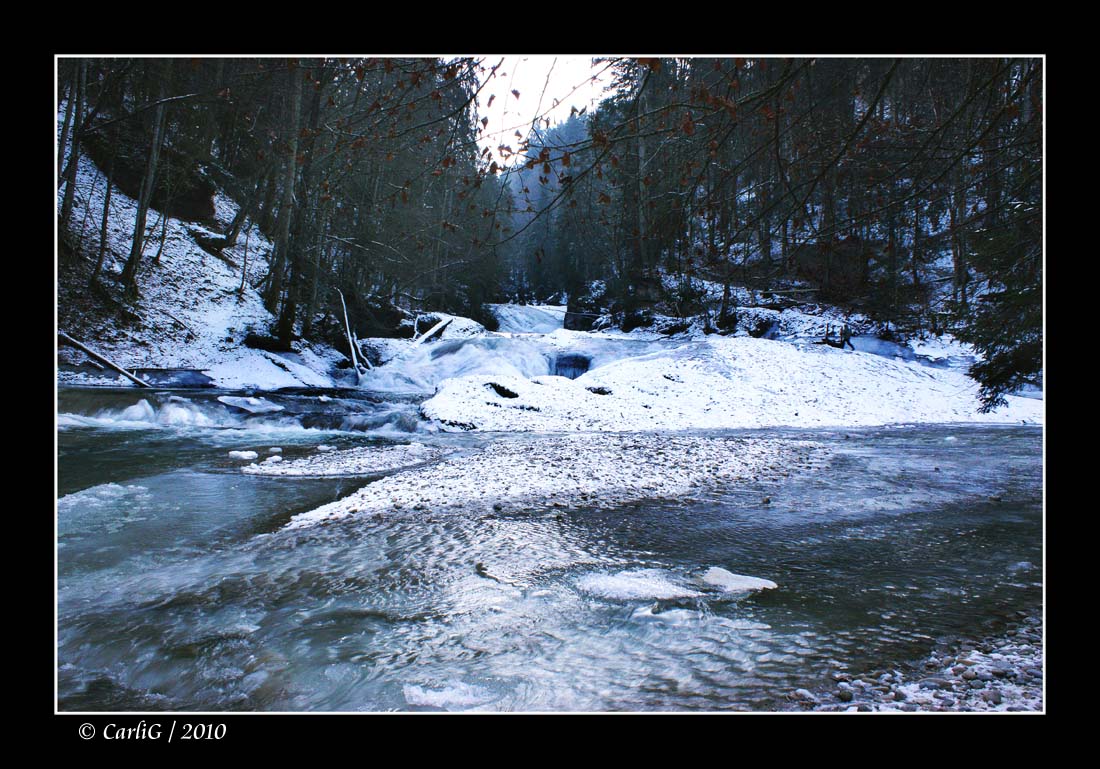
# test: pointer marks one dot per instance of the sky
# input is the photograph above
(540, 80)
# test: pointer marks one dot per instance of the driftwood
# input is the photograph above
(66, 339)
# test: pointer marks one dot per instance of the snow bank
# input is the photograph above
(365, 460)
(570, 470)
(722, 382)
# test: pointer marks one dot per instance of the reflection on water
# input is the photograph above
(178, 589)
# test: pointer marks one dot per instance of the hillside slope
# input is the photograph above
(192, 312)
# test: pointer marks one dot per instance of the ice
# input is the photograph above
(730, 582)
(248, 455)
(529, 319)
(641, 584)
(422, 368)
(251, 405)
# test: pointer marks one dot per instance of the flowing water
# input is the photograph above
(178, 588)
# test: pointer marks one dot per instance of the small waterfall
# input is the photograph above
(571, 365)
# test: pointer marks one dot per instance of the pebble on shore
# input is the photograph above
(1003, 673)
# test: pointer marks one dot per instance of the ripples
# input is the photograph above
(587, 609)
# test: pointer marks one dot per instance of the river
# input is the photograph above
(179, 588)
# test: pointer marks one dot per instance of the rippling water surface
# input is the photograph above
(178, 588)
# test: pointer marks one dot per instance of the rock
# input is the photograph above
(844, 695)
(969, 675)
(992, 696)
(935, 683)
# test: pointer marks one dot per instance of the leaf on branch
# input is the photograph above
(515, 93)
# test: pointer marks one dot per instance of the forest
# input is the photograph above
(698, 384)
(907, 189)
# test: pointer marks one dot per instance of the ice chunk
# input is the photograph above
(641, 584)
(251, 405)
(730, 582)
(249, 455)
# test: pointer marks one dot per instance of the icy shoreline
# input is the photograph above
(561, 471)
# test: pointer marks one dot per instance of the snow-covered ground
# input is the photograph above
(192, 315)
(722, 382)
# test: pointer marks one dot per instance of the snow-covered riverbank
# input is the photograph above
(556, 472)
(722, 382)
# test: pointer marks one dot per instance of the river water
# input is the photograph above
(178, 588)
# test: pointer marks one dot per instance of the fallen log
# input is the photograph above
(66, 339)
(351, 340)
(434, 331)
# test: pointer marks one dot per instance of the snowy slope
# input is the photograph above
(191, 315)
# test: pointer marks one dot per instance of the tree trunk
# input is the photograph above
(286, 209)
(66, 126)
(106, 208)
(129, 272)
(74, 153)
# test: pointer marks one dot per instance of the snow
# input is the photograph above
(553, 472)
(723, 382)
(456, 327)
(365, 460)
(190, 308)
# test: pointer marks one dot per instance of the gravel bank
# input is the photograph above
(1001, 673)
